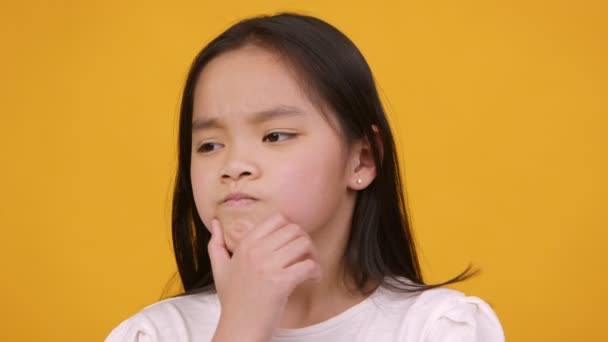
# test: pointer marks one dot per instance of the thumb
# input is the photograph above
(218, 254)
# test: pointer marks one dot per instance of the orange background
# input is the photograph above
(499, 108)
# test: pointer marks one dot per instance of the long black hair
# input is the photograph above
(381, 245)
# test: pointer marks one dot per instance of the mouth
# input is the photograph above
(238, 199)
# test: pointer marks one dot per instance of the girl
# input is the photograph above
(289, 222)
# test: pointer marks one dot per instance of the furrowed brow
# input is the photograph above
(256, 119)
(275, 113)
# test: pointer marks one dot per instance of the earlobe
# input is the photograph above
(362, 180)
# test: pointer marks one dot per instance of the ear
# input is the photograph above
(362, 167)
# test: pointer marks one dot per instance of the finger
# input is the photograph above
(302, 271)
(218, 253)
(295, 251)
(280, 237)
(273, 223)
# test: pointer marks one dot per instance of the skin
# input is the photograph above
(297, 166)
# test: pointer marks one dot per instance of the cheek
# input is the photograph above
(200, 191)
(307, 190)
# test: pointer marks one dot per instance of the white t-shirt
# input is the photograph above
(434, 315)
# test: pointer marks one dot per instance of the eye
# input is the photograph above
(207, 147)
(275, 136)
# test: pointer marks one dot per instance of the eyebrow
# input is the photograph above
(256, 118)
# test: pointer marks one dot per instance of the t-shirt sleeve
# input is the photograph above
(464, 319)
(136, 328)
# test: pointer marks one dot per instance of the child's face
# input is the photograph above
(303, 177)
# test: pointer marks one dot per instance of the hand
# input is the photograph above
(254, 283)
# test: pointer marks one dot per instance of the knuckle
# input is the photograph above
(278, 218)
(309, 265)
(306, 242)
(294, 230)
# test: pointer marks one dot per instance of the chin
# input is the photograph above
(232, 242)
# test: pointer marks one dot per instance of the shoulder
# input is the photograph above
(177, 318)
(443, 314)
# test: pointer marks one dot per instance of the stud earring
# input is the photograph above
(359, 181)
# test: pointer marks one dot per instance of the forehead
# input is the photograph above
(247, 79)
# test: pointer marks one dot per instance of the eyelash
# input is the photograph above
(290, 135)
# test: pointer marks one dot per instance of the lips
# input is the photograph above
(238, 197)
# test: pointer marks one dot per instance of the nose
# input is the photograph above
(235, 174)
(237, 168)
